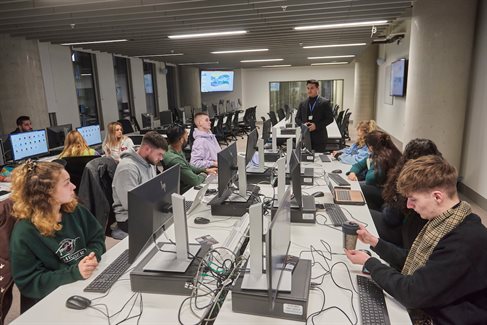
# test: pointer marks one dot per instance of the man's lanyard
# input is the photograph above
(312, 108)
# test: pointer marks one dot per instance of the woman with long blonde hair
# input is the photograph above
(115, 142)
(357, 151)
(55, 240)
(75, 146)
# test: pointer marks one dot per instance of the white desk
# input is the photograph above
(331, 129)
(305, 235)
(163, 309)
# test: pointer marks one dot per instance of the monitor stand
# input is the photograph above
(273, 154)
(169, 262)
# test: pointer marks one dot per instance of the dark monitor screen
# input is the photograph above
(295, 173)
(29, 144)
(165, 117)
(91, 134)
(266, 130)
(227, 167)
(306, 138)
(57, 134)
(278, 240)
(251, 146)
(149, 209)
(146, 120)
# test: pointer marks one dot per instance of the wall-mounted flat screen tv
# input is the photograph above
(399, 71)
(212, 80)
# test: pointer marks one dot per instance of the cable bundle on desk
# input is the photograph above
(327, 256)
(219, 267)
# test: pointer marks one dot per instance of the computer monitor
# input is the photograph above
(278, 240)
(146, 120)
(266, 130)
(28, 144)
(306, 138)
(251, 146)
(227, 168)
(57, 134)
(295, 173)
(149, 209)
(2, 156)
(91, 134)
(165, 118)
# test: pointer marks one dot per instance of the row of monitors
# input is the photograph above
(37, 143)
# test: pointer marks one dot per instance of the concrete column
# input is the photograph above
(21, 84)
(442, 33)
(189, 85)
(365, 85)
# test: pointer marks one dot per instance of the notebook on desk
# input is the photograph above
(345, 196)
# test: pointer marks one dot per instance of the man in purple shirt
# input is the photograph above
(205, 146)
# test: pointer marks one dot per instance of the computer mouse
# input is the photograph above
(78, 302)
(318, 194)
(201, 220)
(366, 251)
(337, 171)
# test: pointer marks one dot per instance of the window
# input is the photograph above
(150, 87)
(292, 93)
(85, 83)
(122, 87)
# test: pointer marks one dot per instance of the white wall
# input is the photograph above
(106, 86)
(390, 111)
(214, 98)
(58, 76)
(137, 72)
(474, 148)
(255, 83)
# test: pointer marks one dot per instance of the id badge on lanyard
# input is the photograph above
(311, 109)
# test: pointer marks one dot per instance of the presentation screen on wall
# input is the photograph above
(398, 77)
(28, 144)
(212, 81)
(91, 134)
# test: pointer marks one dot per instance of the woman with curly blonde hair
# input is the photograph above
(359, 150)
(56, 240)
(75, 146)
(115, 142)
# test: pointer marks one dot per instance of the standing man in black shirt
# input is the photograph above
(316, 113)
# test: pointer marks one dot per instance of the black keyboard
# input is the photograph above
(187, 205)
(325, 158)
(372, 302)
(338, 179)
(343, 195)
(335, 213)
(110, 275)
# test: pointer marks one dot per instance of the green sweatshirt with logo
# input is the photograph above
(40, 264)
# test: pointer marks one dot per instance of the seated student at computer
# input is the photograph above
(115, 142)
(76, 146)
(396, 223)
(177, 137)
(358, 151)
(23, 125)
(442, 277)
(134, 168)
(205, 146)
(383, 157)
(55, 240)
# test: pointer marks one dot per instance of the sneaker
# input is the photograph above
(119, 234)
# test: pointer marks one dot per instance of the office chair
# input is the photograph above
(75, 167)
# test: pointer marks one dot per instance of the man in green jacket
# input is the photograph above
(177, 137)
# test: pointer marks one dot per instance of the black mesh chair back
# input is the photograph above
(281, 114)
(126, 126)
(273, 117)
(75, 167)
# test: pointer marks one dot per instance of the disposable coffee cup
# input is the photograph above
(349, 229)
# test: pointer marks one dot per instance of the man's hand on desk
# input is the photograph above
(87, 265)
(352, 177)
(211, 171)
(356, 256)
